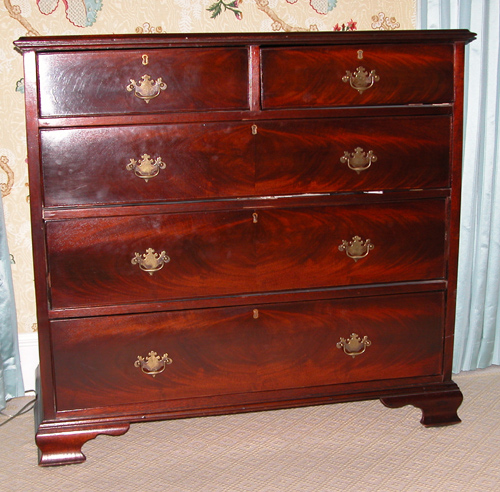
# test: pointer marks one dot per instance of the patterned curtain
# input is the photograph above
(477, 337)
(11, 380)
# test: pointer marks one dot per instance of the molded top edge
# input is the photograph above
(130, 41)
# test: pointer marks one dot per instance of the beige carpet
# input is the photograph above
(345, 447)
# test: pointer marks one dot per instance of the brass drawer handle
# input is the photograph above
(354, 346)
(360, 80)
(146, 168)
(150, 261)
(153, 364)
(356, 248)
(358, 160)
(146, 89)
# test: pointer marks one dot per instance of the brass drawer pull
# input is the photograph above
(357, 248)
(360, 80)
(146, 168)
(153, 364)
(150, 261)
(358, 160)
(146, 89)
(354, 346)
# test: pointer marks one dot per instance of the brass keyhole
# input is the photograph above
(360, 54)
(255, 217)
(145, 59)
(254, 129)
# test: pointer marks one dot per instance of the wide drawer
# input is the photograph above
(150, 81)
(150, 163)
(240, 350)
(113, 260)
(356, 75)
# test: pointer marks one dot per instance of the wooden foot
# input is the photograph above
(439, 404)
(63, 445)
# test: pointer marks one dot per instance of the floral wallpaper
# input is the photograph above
(69, 17)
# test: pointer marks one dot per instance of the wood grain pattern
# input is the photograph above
(228, 351)
(88, 165)
(312, 77)
(303, 156)
(257, 293)
(298, 248)
(226, 160)
(210, 254)
(96, 82)
(223, 253)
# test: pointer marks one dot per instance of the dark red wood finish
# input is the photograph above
(239, 350)
(227, 160)
(251, 206)
(297, 156)
(218, 157)
(96, 83)
(227, 253)
(312, 77)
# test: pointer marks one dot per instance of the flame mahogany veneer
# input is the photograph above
(229, 223)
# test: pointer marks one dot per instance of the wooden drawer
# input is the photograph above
(333, 155)
(239, 350)
(171, 162)
(99, 82)
(226, 253)
(316, 247)
(215, 160)
(313, 77)
(90, 260)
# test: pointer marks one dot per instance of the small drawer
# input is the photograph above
(362, 154)
(150, 81)
(151, 163)
(115, 260)
(316, 77)
(137, 359)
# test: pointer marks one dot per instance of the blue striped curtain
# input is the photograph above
(477, 332)
(11, 380)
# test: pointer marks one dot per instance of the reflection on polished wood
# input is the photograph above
(207, 206)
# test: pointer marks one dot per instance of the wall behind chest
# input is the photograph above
(55, 17)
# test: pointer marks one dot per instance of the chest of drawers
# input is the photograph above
(229, 223)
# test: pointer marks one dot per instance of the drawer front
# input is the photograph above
(329, 155)
(150, 81)
(205, 254)
(234, 350)
(128, 164)
(343, 76)
(349, 245)
(224, 253)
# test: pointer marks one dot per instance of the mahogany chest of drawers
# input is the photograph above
(229, 223)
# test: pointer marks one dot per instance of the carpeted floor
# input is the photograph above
(358, 447)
